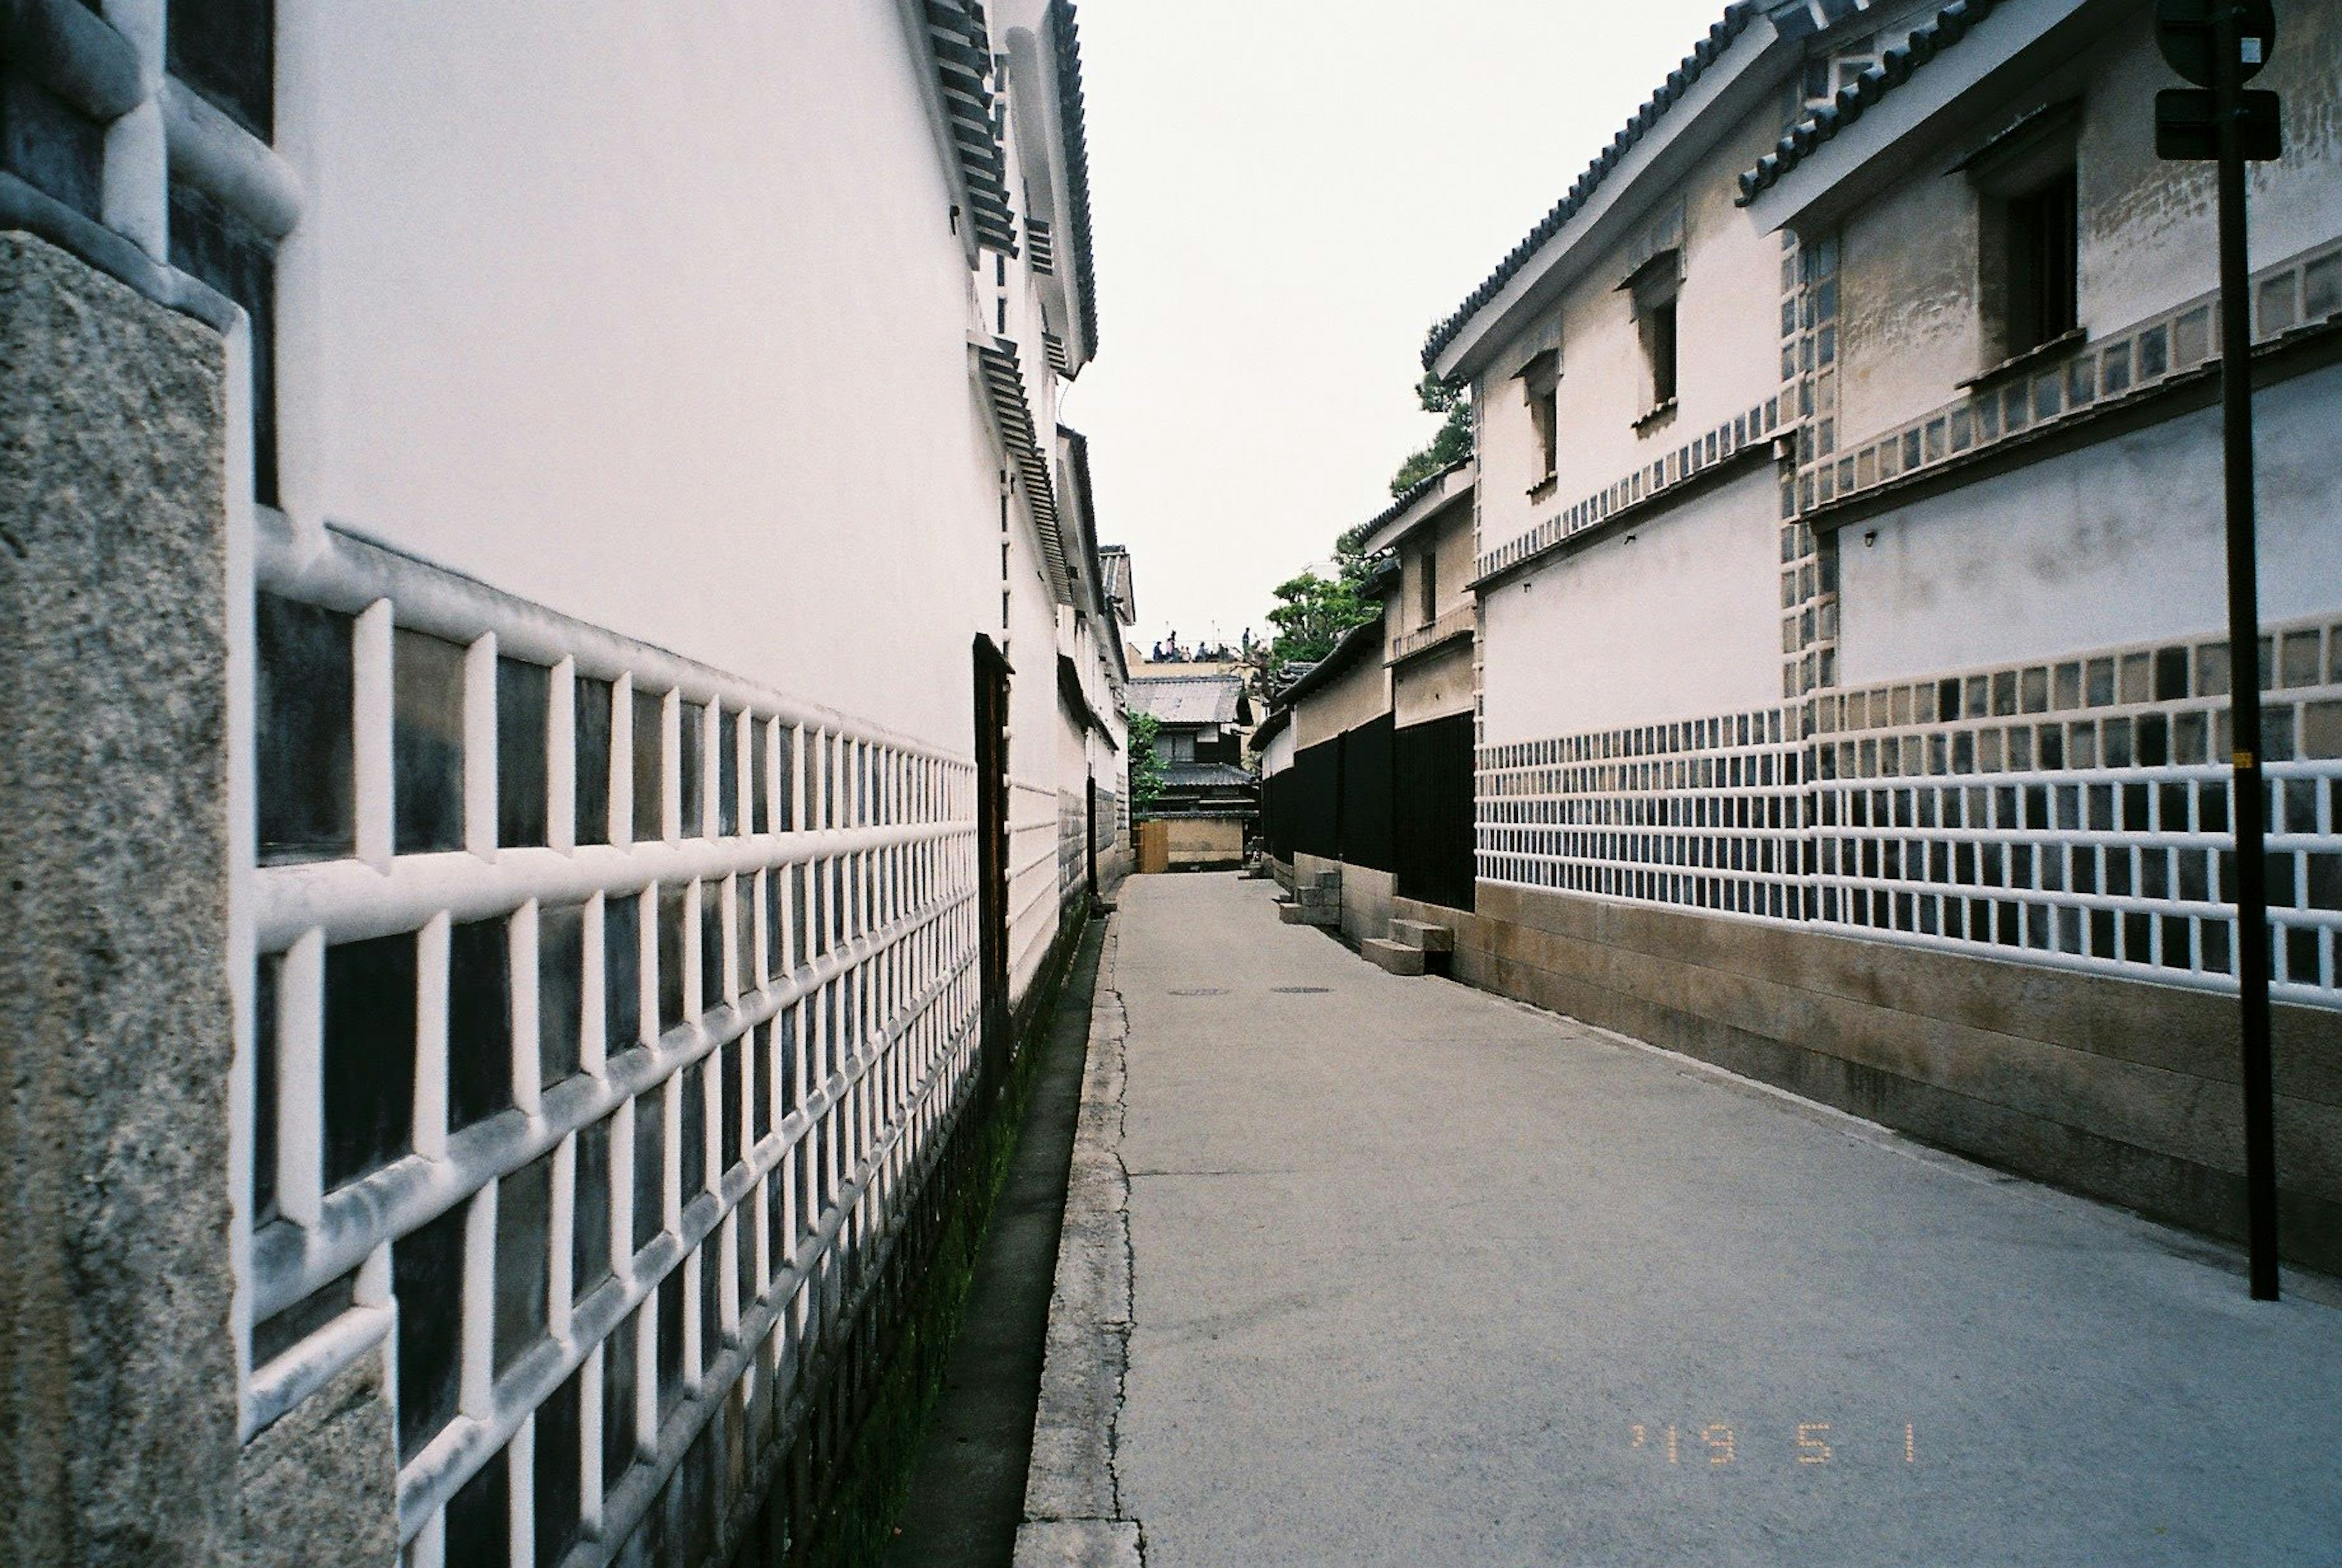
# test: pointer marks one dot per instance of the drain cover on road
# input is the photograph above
(1201, 990)
(1301, 990)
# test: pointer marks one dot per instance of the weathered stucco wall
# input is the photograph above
(2120, 542)
(118, 1376)
(1673, 618)
(1278, 756)
(1910, 325)
(1200, 841)
(1433, 686)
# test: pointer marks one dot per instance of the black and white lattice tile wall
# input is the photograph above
(2074, 812)
(602, 1005)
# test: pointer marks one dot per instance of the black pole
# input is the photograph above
(2244, 665)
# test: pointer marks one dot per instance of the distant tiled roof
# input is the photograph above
(1894, 68)
(1189, 699)
(1066, 42)
(1737, 18)
(1206, 775)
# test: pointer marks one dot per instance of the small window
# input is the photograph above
(524, 1267)
(479, 1021)
(593, 700)
(1541, 388)
(1659, 330)
(524, 704)
(559, 1482)
(619, 1439)
(426, 1275)
(302, 730)
(560, 991)
(1654, 286)
(650, 750)
(2042, 261)
(589, 1254)
(1427, 574)
(2028, 251)
(214, 245)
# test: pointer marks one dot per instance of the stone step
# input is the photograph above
(1291, 914)
(1394, 956)
(1422, 935)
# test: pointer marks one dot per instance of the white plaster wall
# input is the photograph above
(575, 310)
(1680, 622)
(2118, 543)
(1728, 356)
(1279, 755)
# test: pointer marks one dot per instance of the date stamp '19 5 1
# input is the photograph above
(1715, 1443)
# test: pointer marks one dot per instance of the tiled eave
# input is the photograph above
(1353, 647)
(1077, 701)
(1842, 159)
(1449, 346)
(1421, 503)
(1065, 41)
(960, 44)
(1895, 67)
(1003, 377)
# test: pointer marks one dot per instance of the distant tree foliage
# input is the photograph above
(1453, 443)
(1145, 767)
(1312, 613)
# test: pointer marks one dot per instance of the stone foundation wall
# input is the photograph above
(117, 1372)
(2118, 1090)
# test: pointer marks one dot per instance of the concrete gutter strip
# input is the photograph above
(1073, 1496)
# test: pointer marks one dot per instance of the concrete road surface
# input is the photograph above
(1420, 1276)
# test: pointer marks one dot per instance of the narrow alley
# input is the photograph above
(1419, 1275)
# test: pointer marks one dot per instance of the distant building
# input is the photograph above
(1367, 756)
(1209, 796)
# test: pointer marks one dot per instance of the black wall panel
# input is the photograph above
(1316, 800)
(1434, 773)
(1366, 820)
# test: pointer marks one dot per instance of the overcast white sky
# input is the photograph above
(1285, 195)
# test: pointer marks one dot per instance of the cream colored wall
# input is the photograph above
(1448, 541)
(632, 373)
(1205, 840)
(1433, 687)
(1358, 694)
